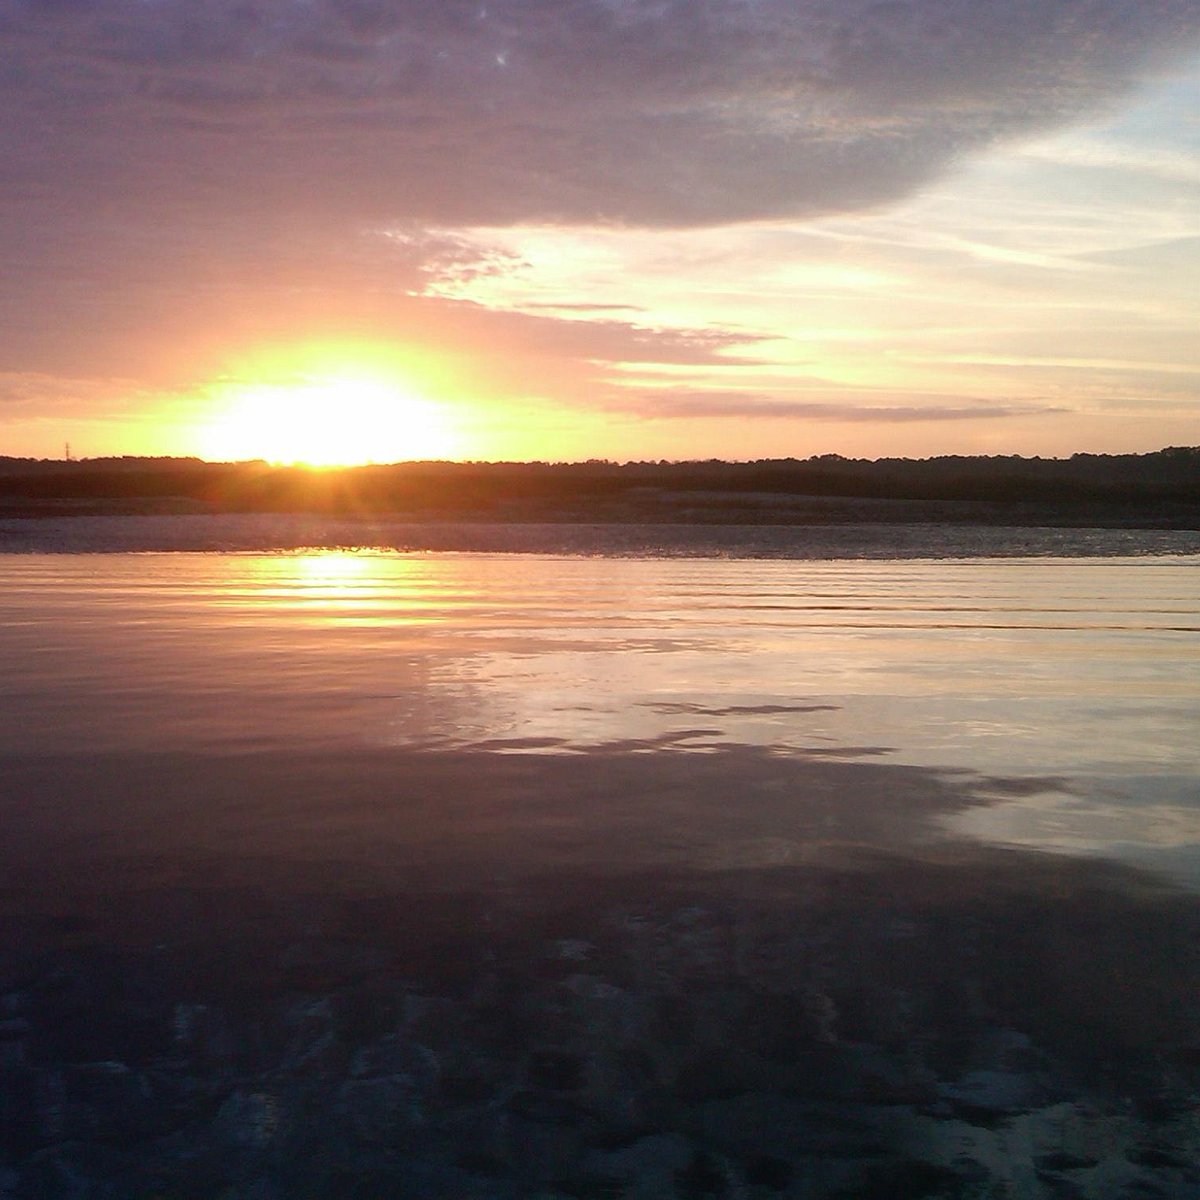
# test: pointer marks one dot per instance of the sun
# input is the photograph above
(326, 420)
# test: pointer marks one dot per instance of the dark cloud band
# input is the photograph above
(665, 112)
(679, 403)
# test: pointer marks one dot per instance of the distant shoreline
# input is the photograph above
(1147, 491)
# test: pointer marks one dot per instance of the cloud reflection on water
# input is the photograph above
(1070, 669)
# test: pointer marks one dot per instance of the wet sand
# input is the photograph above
(634, 971)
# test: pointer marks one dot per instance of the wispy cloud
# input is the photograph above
(681, 403)
(1175, 166)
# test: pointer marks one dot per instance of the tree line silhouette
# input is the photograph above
(1161, 487)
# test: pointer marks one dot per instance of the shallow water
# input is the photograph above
(658, 875)
(1078, 674)
(855, 539)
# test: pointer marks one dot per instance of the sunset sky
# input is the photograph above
(342, 230)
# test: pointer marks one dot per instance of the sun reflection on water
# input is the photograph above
(351, 582)
(1075, 671)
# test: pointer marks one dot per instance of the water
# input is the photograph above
(269, 532)
(676, 865)
(1079, 673)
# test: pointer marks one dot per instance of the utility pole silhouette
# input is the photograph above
(67, 452)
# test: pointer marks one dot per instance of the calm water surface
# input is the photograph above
(1078, 673)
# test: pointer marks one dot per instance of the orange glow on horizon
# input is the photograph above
(326, 413)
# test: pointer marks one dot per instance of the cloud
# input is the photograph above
(660, 112)
(691, 404)
(31, 396)
(1172, 166)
